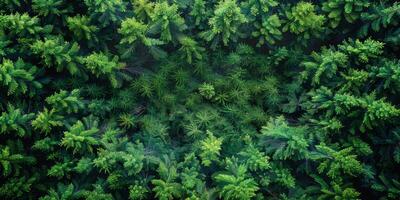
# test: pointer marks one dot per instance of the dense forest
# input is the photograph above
(199, 99)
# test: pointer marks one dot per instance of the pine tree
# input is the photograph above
(81, 27)
(105, 11)
(166, 187)
(55, 52)
(390, 186)
(64, 101)
(47, 120)
(207, 91)
(16, 187)
(326, 63)
(380, 17)
(99, 64)
(166, 21)
(46, 8)
(134, 33)
(143, 9)
(21, 25)
(19, 77)
(268, 30)
(14, 120)
(12, 162)
(137, 192)
(255, 160)
(388, 71)
(210, 149)
(234, 183)
(62, 192)
(199, 12)
(335, 163)
(351, 10)
(225, 24)
(335, 190)
(363, 50)
(190, 50)
(80, 137)
(304, 21)
(283, 141)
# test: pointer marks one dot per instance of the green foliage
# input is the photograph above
(351, 10)
(197, 99)
(20, 24)
(390, 187)
(105, 11)
(137, 192)
(254, 159)
(269, 30)
(15, 121)
(335, 190)
(64, 101)
(80, 136)
(46, 120)
(15, 187)
(99, 64)
(190, 49)
(235, 183)
(364, 51)
(199, 11)
(259, 7)
(119, 155)
(12, 162)
(132, 30)
(388, 71)
(226, 22)
(378, 111)
(80, 26)
(97, 193)
(304, 21)
(62, 192)
(18, 77)
(334, 163)
(166, 187)
(381, 16)
(283, 141)
(45, 8)
(207, 91)
(210, 149)
(143, 9)
(166, 21)
(134, 33)
(325, 64)
(55, 52)
(10, 4)
(127, 120)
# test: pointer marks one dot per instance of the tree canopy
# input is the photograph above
(199, 99)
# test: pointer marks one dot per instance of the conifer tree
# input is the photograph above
(46, 120)
(303, 21)
(210, 147)
(15, 121)
(350, 10)
(226, 23)
(55, 52)
(81, 27)
(166, 21)
(235, 184)
(19, 77)
(64, 101)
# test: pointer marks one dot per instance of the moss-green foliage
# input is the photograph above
(199, 99)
